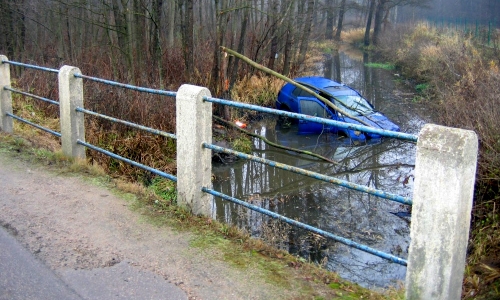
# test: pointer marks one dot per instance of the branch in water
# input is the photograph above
(274, 144)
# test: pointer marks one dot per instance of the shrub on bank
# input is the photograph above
(463, 81)
(354, 36)
(258, 90)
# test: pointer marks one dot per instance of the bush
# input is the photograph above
(355, 36)
(462, 79)
(258, 90)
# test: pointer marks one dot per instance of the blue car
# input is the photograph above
(294, 99)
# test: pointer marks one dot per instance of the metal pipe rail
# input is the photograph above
(127, 123)
(131, 162)
(15, 63)
(31, 95)
(34, 125)
(381, 132)
(127, 86)
(295, 223)
(315, 175)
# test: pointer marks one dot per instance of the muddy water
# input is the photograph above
(384, 164)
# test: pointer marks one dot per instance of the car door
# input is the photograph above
(313, 107)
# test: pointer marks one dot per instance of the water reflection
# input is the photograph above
(384, 164)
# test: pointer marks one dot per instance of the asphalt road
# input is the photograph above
(22, 276)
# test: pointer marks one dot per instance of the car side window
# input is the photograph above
(298, 92)
(313, 108)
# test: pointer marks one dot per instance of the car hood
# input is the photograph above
(377, 120)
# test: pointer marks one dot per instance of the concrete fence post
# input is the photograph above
(6, 123)
(445, 171)
(72, 122)
(194, 163)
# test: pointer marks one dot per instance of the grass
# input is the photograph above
(227, 243)
(354, 36)
(422, 87)
(385, 66)
(324, 46)
(258, 90)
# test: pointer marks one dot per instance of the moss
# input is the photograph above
(243, 144)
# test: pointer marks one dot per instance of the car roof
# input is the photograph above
(319, 82)
(327, 85)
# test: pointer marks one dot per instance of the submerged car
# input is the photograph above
(297, 100)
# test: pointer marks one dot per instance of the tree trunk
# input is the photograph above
(241, 44)
(379, 16)
(122, 33)
(306, 33)
(171, 22)
(21, 27)
(369, 22)
(215, 78)
(188, 43)
(139, 33)
(68, 35)
(330, 15)
(128, 8)
(287, 50)
(155, 34)
(273, 20)
(341, 20)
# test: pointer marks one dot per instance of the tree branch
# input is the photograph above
(274, 144)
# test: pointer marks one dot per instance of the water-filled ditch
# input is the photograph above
(384, 164)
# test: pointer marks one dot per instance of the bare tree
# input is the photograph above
(341, 20)
(304, 41)
(188, 42)
(372, 4)
(13, 27)
(330, 18)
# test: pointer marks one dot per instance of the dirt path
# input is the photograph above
(71, 224)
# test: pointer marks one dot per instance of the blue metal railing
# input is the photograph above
(298, 224)
(89, 112)
(15, 63)
(318, 176)
(127, 123)
(381, 132)
(55, 133)
(31, 95)
(344, 183)
(131, 162)
(128, 86)
(34, 125)
(347, 184)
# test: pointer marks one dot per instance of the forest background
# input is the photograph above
(166, 43)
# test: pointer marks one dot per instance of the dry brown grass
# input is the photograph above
(353, 36)
(464, 81)
(257, 89)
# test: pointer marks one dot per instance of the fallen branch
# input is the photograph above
(274, 144)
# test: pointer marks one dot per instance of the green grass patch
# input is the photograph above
(239, 257)
(422, 88)
(165, 189)
(385, 66)
(243, 144)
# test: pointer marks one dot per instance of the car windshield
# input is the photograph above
(354, 105)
